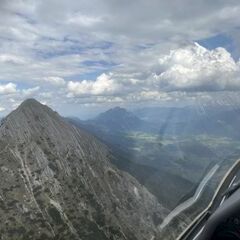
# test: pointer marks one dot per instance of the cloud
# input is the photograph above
(29, 92)
(12, 59)
(8, 88)
(56, 38)
(138, 21)
(83, 20)
(144, 48)
(56, 81)
(194, 68)
(2, 109)
(103, 85)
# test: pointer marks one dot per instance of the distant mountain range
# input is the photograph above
(170, 147)
(214, 120)
(58, 182)
(112, 127)
(168, 121)
(117, 120)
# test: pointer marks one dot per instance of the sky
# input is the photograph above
(83, 57)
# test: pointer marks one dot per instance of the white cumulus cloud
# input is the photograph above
(56, 81)
(29, 92)
(83, 20)
(8, 88)
(103, 85)
(12, 59)
(195, 68)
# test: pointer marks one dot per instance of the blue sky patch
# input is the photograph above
(220, 40)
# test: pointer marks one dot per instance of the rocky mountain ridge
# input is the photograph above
(57, 182)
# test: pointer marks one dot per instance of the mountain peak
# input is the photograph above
(118, 109)
(116, 112)
(31, 117)
(118, 119)
(32, 105)
(30, 102)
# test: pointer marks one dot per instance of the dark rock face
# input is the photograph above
(57, 182)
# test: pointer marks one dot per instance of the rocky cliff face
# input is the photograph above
(57, 182)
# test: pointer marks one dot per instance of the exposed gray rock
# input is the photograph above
(57, 182)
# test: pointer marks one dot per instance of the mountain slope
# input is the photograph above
(154, 178)
(113, 125)
(57, 182)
